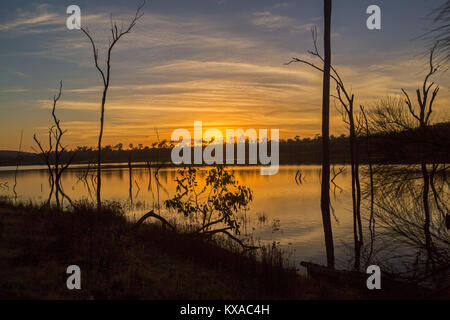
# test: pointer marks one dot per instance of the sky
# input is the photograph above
(218, 61)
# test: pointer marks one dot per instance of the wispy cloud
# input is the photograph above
(279, 5)
(14, 90)
(40, 19)
(275, 22)
(179, 66)
(21, 74)
(32, 21)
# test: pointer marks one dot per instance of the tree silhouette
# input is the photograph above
(441, 32)
(422, 115)
(325, 204)
(346, 100)
(117, 34)
(411, 197)
(54, 154)
(212, 201)
(325, 191)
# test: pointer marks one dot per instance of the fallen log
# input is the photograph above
(152, 214)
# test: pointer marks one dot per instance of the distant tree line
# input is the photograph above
(407, 146)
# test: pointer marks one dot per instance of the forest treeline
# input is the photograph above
(408, 146)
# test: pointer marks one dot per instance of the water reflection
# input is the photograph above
(276, 198)
(286, 209)
(411, 209)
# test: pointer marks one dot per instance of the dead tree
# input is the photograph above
(371, 183)
(351, 119)
(404, 204)
(53, 156)
(17, 166)
(422, 117)
(325, 202)
(116, 34)
(440, 33)
(346, 100)
(335, 175)
(130, 178)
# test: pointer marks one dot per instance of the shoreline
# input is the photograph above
(121, 261)
(141, 164)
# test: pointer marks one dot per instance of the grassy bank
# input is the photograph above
(118, 261)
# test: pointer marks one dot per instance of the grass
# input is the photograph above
(118, 261)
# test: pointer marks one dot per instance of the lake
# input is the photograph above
(283, 210)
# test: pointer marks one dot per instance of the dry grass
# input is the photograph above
(119, 262)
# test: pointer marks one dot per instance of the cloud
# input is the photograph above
(93, 89)
(21, 74)
(279, 5)
(15, 90)
(174, 69)
(223, 68)
(31, 20)
(41, 19)
(68, 105)
(275, 22)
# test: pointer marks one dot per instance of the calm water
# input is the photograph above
(281, 210)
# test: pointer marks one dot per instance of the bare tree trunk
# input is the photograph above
(352, 164)
(55, 173)
(130, 176)
(325, 192)
(423, 118)
(117, 33)
(426, 209)
(356, 188)
(426, 205)
(100, 136)
(17, 166)
(369, 160)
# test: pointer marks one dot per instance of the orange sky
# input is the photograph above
(223, 68)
